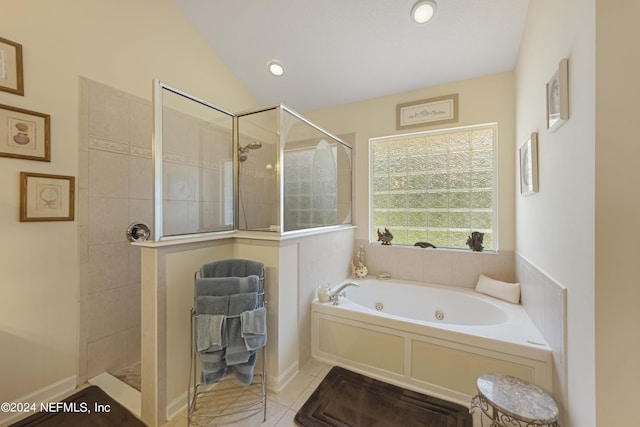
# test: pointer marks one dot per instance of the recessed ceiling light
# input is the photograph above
(423, 11)
(275, 68)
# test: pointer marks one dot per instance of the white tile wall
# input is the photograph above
(545, 301)
(437, 266)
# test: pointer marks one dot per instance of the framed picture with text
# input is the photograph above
(427, 112)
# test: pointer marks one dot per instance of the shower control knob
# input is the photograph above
(138, 232)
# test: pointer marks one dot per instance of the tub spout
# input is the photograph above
(334, 295)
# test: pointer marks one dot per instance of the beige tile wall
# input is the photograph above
(437, 266)
(546, 303)
(115, 189)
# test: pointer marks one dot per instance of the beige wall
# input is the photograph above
(121, 44)
(617, 213)
(554, 228)
(482, 100)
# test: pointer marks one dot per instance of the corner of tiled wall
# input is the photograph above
(546, 303)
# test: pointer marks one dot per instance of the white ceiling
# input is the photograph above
(341, 51)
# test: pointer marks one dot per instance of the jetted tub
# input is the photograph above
(429, 338)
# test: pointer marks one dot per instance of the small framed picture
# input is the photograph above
(558, 97)
(24, 134)
(11, 79)
(427, 112)
(529, 166)
(46, 197)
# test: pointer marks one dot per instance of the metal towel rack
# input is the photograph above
(206, 400)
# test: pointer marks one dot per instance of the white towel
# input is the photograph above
(506, 291)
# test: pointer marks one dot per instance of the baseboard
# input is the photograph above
(279, 383)
(50, 393)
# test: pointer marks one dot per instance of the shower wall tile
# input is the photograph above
(134, 301)
(109, 113)
(115, 188)
(140, 123)
(108, 220)
(83, 207)
(83, 170)
(107, 354)
(140, 175)
(134, 340)
(141, 210)
(109, 311)
(108, 267)
(108, 174)
(83, 244)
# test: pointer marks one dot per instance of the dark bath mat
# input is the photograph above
(84, 403)
(348, 399)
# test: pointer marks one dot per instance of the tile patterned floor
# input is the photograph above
(281, 407)
(129, 375)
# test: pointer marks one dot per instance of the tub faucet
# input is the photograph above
(334, 295)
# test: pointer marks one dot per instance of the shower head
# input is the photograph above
(254, 145)
(243, 152)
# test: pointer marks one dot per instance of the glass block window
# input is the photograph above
(435, 186)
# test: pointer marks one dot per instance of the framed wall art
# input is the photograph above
(24, 134)
(558, 97)
(11, 79)
(427, 112)
(529, 165)
(46, 197)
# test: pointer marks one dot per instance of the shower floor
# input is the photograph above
(129, 375)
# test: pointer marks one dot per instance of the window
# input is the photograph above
(435, 186)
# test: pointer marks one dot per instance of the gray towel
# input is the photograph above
(218, 286)
(244, 371)
(207, 304)
(236, 348)
(210, 334)
(213, 367)
(232, 268)
(254, 328)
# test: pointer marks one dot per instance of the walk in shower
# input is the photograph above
(268, 169)
(292, 175)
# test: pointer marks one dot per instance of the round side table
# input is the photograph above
(508, 401)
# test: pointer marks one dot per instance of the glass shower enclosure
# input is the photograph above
(268, 169)
(292, 175)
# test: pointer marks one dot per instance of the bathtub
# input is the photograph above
(432, 339)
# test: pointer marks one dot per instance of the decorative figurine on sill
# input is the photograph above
(385, 237)
(360, 271)
(425, 245)
(475, 241)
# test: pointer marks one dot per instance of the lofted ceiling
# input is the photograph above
(341, 51)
